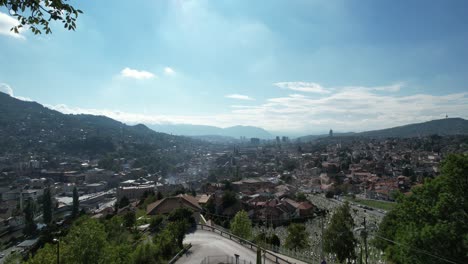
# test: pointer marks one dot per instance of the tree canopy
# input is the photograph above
(29, 225)
(430, 225)
(298, 237)
(241, 225)
(108, 241)
(339, 237)
(76, 203)
(47, 206)
(37, 14)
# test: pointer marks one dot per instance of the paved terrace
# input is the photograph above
(206, 243)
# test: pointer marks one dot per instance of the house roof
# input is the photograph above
(181, 199)
(291, 202)
(202, 199)
(305, 205)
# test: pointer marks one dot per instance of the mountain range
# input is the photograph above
(202, 130)
(29, 127)
(442, 127)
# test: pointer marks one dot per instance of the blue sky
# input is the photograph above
(290, 66)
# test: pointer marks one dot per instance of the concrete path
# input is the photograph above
(206, 243)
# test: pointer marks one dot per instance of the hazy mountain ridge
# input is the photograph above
(31, 127)
(202, 130)
(442, 127)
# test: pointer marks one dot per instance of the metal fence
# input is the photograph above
(308, 257)
(224, 260)
(177, 256)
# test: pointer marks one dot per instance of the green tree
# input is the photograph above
(129, 219)
(298, 237)
(115, 229)
(156, 223)
(15, 258)
(339, 237)
(124, 201)
(159, 196)
(145, 254)
(29, 225)
(166, 244)
(182, 214)
(45, 255)
(274, 240)
(86, 243)
(38, 14)
(260, 238)
(178, 230)
(47, 206)
(430, 224)
(301, 197)
(241, 225)
(228, 199)
(76, 203)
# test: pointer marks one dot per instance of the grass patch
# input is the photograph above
(387, 206)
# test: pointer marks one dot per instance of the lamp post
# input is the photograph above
(58, 249)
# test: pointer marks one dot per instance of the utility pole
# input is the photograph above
(365, 238)
(321, 240)
(58, 249)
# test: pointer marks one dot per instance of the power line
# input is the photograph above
(418, 250)
(311, 217)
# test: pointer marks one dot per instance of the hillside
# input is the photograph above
(314, 137)
(442, 127)
(29, 127)
(202, 130)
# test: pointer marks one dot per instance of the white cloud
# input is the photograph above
(6, 23)
(239, 97)
(136, 74)
(169, 71)
(308, 87)
(390, 88)
(5, 88)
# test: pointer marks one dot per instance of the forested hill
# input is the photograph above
(441, 127)
(29, 127)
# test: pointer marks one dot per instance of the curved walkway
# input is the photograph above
(206, 243)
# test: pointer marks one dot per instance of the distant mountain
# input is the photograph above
(442, 127)
(29, 127)
(201, 130)
(217, 139)
(314, 137)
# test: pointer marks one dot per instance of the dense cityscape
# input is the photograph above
(233, 132)
(277, 183)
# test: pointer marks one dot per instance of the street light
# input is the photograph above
(55, 240)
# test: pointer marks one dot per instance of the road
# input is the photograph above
(7, 252)
(206, 243)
